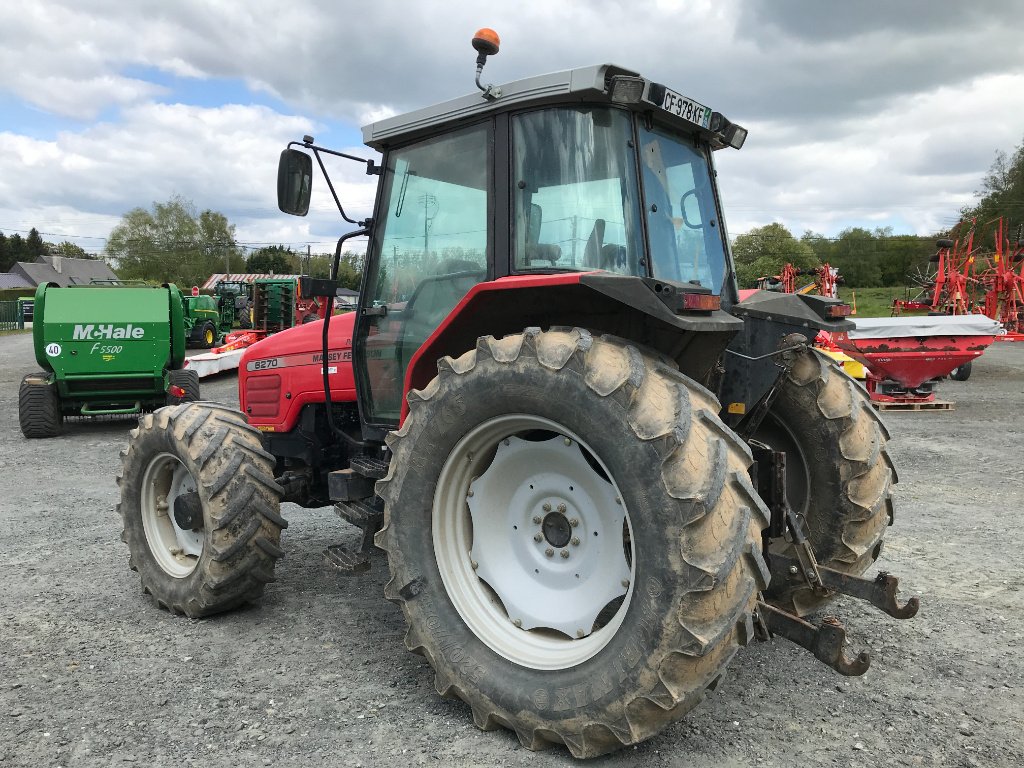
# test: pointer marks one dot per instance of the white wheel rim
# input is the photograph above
(516, 592)
(175, 550)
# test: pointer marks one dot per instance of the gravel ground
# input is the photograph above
(317, 674)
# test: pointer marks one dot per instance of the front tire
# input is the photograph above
(200, 508)
(188, 381)
(39, 413)
(209, 335)
(838, 472)
(514, 629)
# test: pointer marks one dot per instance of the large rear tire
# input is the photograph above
(39, 413)
(200, 508)
(839, 474)
(579, 558)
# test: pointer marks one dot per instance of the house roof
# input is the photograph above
(13, 280)
(63, 271)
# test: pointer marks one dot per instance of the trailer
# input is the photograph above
(104, 350)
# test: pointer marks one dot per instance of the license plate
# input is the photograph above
(688, 109)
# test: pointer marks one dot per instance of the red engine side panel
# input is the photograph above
(284, 372)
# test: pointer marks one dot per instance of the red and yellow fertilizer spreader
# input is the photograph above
(907, 356)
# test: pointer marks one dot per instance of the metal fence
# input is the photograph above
(10, 316)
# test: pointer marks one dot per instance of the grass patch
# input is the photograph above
(872, 302)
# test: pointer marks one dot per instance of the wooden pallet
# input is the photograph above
(934, 405)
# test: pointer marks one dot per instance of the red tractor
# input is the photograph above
(594, 473)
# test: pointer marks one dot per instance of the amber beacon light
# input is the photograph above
(486, 43)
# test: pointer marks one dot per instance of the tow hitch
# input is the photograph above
(826, 641)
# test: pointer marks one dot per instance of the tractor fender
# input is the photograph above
(617, 305)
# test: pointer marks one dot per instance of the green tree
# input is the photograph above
(173, 243)
(272, 258)
(855, 256)
(1002, 192)
(350, 268)
(68, 250)
(34, 245)
(16, 249)
(764, 250)
(6, 259)
(821, 245)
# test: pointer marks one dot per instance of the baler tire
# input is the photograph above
(839, 474)
(961, 372)
(692, 517)
(209, 335)
(233, 476)
(188, 380)
(39, 413)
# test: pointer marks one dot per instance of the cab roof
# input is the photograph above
(584, 85)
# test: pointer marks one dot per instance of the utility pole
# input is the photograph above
(429, 212)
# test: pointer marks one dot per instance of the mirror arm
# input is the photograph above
(371, 170)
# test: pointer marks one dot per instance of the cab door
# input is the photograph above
(431, 244)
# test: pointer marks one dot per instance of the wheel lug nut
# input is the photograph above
(579, 633)
(561, 508)
(470, 493)
(547, 507)
(475, 564)
(567, 441)
(574, 522)
(549, 552)
(538, 537)
(517, 622)
(575, 541)
(794, 570)
(536, 519)
(564, 553)
(625, 583)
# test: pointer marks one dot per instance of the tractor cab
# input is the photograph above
(589, 171)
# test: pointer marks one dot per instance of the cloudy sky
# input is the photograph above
(860, 114)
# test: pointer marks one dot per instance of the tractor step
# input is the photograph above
(367, 466)
(367, 516)
(345, 561)
(361, 514)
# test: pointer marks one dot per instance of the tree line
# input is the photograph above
(15, 248)
(864, 258)
(175, 242)
(875, 258)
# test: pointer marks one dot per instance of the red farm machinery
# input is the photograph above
(595, 474)
(825, 282)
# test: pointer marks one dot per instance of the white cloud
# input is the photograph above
(870, 113)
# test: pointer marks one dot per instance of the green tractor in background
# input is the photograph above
(207, 318)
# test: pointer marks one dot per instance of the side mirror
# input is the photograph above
(294, 182)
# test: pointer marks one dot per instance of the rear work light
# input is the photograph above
(175, 391)
(839, 310)
(702, 302)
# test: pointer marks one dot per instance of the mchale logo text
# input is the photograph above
(92, 332)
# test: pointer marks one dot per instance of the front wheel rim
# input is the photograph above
(547, 579)
(176, 550)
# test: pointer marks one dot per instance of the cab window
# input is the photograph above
(576, 202)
